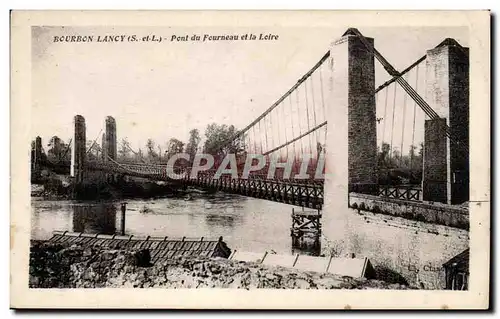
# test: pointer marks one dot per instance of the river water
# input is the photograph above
(245, 223)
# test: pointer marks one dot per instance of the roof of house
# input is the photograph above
(160, 248)
(352, 267)
(460, 261)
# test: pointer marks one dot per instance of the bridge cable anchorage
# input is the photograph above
(409, 90)
(302, 79)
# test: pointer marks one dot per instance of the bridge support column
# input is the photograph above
(79, 151)
(446, 168)
(111, 137)
(351, 159)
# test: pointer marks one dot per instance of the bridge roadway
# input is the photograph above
(297, 192)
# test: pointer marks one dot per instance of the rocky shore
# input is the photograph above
(58, 266)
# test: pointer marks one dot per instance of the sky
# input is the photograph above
(163, 90)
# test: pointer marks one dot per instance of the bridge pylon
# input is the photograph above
(110, 137)
(351, 160)
(446, 167)
(37, 158)
(79, 150)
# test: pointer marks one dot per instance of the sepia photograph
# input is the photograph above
(230, 156)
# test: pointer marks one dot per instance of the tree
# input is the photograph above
(383, 157)
(58, 150)
(93, 150)
(396, 154)
(194, 141)
(220, 139)
(412, 151)
(55, 149)
(139, 156)
(150, 148)
(124, 150)
(175, 146)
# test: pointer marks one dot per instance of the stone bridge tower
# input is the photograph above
(79, 150)
(110, 138)
(446, 167)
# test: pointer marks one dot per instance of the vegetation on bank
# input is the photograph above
(60, 187)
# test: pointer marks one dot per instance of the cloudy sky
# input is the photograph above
(163, 90)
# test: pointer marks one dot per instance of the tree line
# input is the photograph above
(216, 135)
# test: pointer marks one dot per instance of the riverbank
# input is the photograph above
(60, 187)
(59, 266)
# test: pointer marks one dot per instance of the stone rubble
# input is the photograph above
(56, 266)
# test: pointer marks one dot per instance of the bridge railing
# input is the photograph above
(410, 193)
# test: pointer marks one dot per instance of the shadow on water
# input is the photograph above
(95, 218)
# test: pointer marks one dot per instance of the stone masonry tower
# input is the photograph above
(351, 160)
(79, 151)
(110, 138)
(446, 165)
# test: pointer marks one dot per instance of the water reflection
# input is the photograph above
(95, 218)
(306, 245)
(246, 224)
(214, 220)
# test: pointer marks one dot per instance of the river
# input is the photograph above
(245, 223)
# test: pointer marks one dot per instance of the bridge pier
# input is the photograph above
(446, 167)
(351, 160)
(79, 150)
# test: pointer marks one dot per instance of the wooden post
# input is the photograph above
(306, 231)
(124, 209)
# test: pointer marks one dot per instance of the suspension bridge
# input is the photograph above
(425, 104)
